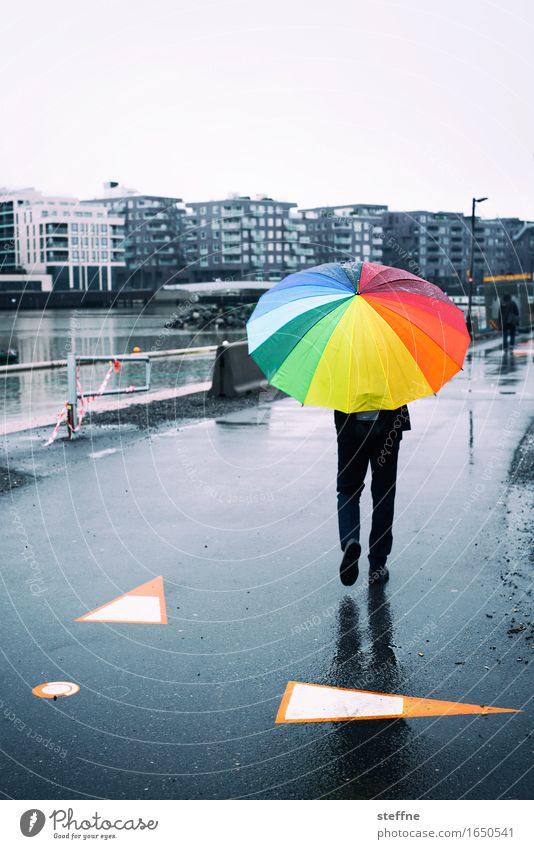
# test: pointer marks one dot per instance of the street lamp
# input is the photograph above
(471, 262)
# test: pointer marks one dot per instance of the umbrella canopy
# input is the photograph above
(357, 336)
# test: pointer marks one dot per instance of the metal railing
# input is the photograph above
(45, 365)
(75, 392)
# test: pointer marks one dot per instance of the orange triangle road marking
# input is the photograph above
(317, 703)
(144, 604)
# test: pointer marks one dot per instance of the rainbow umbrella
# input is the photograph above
(357, 336)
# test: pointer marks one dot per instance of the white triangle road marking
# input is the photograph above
(309, 701)
(136, 608)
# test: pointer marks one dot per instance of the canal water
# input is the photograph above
(31, 398)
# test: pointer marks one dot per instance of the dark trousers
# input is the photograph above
(508, 330)
(360, 444)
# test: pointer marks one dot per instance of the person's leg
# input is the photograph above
(384, 456)
(504, 337)
(512, 335)
(353, 460)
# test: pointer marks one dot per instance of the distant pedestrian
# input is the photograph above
(363, 439)
(509, 319)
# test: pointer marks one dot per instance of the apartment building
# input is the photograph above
(245, 238)
(154, 236)
(341, 233)
(58, 243)
(433, 245)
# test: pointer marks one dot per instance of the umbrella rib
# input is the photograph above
(421, 330)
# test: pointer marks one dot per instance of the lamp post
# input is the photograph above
(471, 263)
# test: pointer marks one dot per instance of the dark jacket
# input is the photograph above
(387, 420)
(509, 314)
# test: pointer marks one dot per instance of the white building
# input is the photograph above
(58, 243)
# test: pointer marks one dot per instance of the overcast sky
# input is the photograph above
(414, 103)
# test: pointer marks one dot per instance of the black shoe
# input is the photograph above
(378, 573)
(348, 571)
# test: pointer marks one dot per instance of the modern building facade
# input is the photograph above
(522, 249)
(58, 243)
(433, 245)
(245, 238)
(437, 246)
(154, 236)
(341, 233)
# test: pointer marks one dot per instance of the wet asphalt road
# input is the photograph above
(238, 515)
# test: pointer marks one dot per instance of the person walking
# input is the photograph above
(368, 438)
(509, 319)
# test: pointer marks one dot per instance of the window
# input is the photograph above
(75, 255)
(270, 222)
(203, 234)
(270, 234)
(103, 228)
(278, 222)
(261, 222)
(74, 240)
(104, 255)
(271, 259)
(202, 210)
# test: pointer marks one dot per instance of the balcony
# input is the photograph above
(229, 226)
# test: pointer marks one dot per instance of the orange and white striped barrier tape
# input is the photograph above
(85, 400)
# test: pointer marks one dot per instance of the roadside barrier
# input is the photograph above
(78, 401)
(235, 372)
